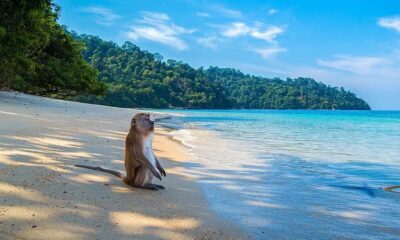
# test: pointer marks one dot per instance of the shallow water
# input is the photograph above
(297, 174)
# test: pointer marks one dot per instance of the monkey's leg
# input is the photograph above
(143, 178)
(129, 179)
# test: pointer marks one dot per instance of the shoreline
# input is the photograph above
(44, 195)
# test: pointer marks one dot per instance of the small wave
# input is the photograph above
(184, 136)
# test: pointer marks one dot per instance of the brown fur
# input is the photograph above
(139, 170)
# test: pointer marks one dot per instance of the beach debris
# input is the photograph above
(391, 189)
(366, 189)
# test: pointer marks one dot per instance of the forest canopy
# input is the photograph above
(137, 78)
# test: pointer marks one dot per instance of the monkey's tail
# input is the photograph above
(115, 173)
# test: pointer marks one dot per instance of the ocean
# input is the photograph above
(296, 174)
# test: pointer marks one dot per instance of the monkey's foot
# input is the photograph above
(159, 186)
(149, 187)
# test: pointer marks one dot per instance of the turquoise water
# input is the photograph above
(297, 174)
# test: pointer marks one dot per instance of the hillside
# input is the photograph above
(137, 78)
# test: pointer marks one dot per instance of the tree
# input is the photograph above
(36, 54)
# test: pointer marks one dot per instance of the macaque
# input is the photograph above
(141, 165)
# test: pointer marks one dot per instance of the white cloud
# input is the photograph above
(210, 42)
(158, 27)
(269, 52)
(241, 29)
(390, 23)
(236, 29)
(154, 16)
(268, 35)
(257, 31)
(272, 11)
(226, 11)
(103, 16)
(202, 14)
(354, 64)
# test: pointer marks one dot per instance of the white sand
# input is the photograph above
(43, 196)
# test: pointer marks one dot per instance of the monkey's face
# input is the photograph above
(142, 123)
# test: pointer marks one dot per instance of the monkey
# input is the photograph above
(141, 164)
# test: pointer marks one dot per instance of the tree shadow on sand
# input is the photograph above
(44, 196)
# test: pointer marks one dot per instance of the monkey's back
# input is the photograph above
(131, 144)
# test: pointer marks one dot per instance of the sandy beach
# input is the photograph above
(43, 196)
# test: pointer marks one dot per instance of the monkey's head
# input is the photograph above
(142, 123)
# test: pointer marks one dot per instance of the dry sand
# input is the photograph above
(43, 196)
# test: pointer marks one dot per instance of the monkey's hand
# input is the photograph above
(162, 171)
(146, 162)
(155, 172)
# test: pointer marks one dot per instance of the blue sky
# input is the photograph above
(354, 44)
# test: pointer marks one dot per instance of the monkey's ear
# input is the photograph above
(133, 122)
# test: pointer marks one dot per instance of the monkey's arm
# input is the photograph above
(161, 169)
(146, 162)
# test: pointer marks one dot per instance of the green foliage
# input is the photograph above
(249, 91)
(137, 78)
(36, 54)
